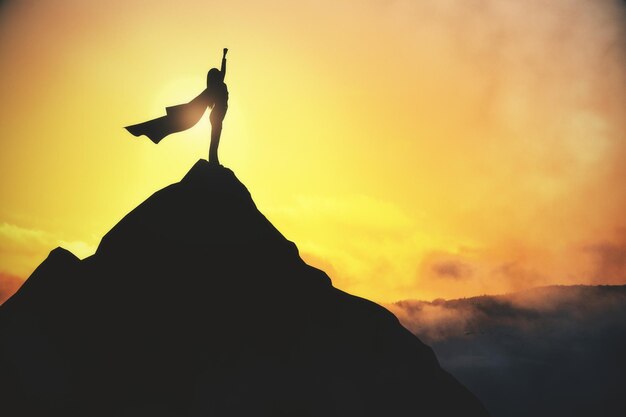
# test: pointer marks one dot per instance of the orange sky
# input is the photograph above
(410, 149)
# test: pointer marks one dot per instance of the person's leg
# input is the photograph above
(216, 118)
(216, 132)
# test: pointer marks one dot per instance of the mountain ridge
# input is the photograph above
(195, 304)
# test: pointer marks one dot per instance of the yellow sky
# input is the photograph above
(410, 149)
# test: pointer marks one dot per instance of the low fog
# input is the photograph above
(551, 351)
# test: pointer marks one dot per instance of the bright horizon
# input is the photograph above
(409, 150)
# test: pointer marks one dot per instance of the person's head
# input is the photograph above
(213, 77)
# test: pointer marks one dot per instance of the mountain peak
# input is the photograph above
(195, 304)
(214, 178)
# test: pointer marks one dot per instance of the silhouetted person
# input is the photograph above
(217, 95)
(184, 116)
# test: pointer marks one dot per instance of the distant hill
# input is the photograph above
(195, 305)
(550, 351)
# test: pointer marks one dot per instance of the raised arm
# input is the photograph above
(223, 69)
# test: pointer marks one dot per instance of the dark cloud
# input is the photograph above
(445, 265)
(543, 352)
(451, 269)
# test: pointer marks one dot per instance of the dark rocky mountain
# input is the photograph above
(544, 352)
(195, 305)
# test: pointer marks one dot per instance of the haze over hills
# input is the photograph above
(195, 305)
(549, 351)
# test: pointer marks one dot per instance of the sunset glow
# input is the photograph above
(409, 149)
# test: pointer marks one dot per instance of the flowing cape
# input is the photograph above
(178, 118)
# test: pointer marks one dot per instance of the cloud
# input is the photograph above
(565, 341)
(22, 237)
(22, 249)
(441, 320)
